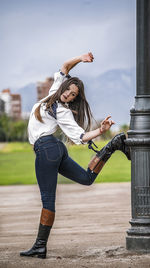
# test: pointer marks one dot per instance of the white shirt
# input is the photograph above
(64, 118)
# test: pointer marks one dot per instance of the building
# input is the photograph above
(43, 88)
(2, 107)
(12, 103)
(5, 95)
(16, 106)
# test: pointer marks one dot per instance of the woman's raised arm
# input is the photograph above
(69, 64)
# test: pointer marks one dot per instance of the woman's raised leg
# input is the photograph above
(70, 169)
(73, 171)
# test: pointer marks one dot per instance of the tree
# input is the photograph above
(124, 128)
(5, 127)
(19, 131)
(12, 130)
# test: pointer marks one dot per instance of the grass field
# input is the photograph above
(17, 164)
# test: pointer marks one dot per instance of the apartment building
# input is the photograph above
(12, 103)
(44, 87)
(16, 105)
(2, 107)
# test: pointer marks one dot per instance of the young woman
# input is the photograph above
(65, 106)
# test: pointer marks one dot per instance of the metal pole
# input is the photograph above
(138, 236)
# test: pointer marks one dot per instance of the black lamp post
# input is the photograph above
(138, 236)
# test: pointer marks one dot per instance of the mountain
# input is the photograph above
(28, 96)
(112, 93)
(109, 93)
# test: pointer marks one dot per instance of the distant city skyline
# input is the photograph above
(37, 36)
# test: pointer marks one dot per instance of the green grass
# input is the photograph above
(17, 164)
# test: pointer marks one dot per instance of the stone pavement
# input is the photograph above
(89, 229)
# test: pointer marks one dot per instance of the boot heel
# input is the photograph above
(42, 256)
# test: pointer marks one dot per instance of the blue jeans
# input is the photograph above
(52, 158)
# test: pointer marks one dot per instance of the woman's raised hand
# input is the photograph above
(69, 64)
(106, 124)
(87, 57)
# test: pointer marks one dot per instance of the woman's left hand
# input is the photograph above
(106, 124)
(87, 57)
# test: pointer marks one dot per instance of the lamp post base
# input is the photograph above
(135, 243)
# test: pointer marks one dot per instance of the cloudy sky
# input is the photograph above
(37, 36)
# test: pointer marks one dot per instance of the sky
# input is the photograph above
(37, 36)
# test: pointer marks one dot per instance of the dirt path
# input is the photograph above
(89, 230)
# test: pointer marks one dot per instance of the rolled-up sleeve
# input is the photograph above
(69, 126)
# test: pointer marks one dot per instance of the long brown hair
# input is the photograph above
(80, 107)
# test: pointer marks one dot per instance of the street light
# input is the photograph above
(138, 236)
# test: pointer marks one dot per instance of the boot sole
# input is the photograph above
(41, 256)
(123, 138)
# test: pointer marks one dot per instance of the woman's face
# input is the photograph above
(69, 94)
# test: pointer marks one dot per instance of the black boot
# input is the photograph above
(39, 248)
(116, 143)
(99, 160)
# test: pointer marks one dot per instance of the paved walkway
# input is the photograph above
(89, 229)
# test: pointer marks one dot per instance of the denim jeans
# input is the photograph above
(52, 158)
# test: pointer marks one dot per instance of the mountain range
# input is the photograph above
(111, 93)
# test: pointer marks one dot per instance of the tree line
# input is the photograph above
(12, 130)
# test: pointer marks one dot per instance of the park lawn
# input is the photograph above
(17, 164)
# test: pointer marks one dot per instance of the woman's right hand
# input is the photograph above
(87, 57)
